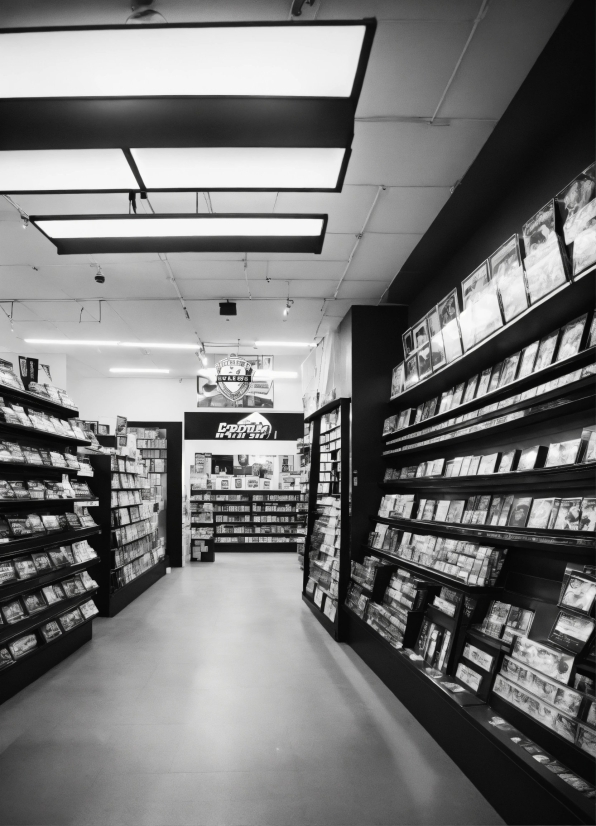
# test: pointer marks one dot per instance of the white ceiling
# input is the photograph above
(407, 166)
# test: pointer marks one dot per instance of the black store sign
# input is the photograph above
(228, 426)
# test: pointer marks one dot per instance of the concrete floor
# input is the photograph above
(217, 698)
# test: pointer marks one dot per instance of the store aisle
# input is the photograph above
(217, 698)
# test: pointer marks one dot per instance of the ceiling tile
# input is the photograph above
(347, 210)
(379, 257)
(410, 154)
(401, 80)
(407, 209)
(504, 48)
(356, 290)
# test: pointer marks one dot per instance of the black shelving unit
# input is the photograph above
(261, 502)
(464, 723)
(565, 303)
(322, 434)
(112, 597)
(173, 486)
(28, 667)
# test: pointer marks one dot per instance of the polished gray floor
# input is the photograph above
(217, 698)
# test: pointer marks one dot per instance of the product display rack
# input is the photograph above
(16, 584)
(304, 450)
(246, 520)
(326, 564)
(563, 304)
(172, 432)
(473, 723)
(115, 593)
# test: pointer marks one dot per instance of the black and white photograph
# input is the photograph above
(549, 661)
(296, 399)
(408, 343)
(579, 594)
(424, 361)
(571, 631)
(507, 271)
(568, 518)
(546, 351)
(520, 509)
(570, 338)
(475, 284)
(572, 202)
(50, 631)
(411, 371)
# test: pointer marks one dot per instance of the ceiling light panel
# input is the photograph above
(65, 170)
(238, 168)
(74, 234)
(137, 370)
(274, 61)
(292, 84)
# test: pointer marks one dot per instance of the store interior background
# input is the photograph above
(403, 172)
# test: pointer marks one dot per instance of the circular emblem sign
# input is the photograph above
(234, 377)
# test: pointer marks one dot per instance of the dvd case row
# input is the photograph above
(17, 609)
(20, 525)
(8, 378)
(577, 451)
(502, 287)
(557, 346)
(17, 489)
(574, 513)
(16, 649)
(37, 563)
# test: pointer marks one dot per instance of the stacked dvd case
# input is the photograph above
(46, 590)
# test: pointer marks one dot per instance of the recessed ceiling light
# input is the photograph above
(283, 344)
(277, 60)
(73, 234)
(137, 370)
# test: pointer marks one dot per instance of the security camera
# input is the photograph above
(100, 278)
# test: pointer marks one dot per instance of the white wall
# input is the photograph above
(102, 399)
(55, 361)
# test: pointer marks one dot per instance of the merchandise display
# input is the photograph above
(328, 512)
(131, 545)
(488, 495)
(506, 286)
(44, 530)
(246, 518)
(304, 456)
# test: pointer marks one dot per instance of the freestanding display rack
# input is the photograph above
(28, 645)
(173, 486)
(127, 569)
(326, 554)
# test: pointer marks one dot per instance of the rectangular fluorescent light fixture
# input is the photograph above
(87, 342)
(208, 232)
(273, 60)
(186, 169)
(236, 168)
(65, 170)
(246, 85)
(137, 370)
(276, 374)
(283, 344)
(90, 343)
